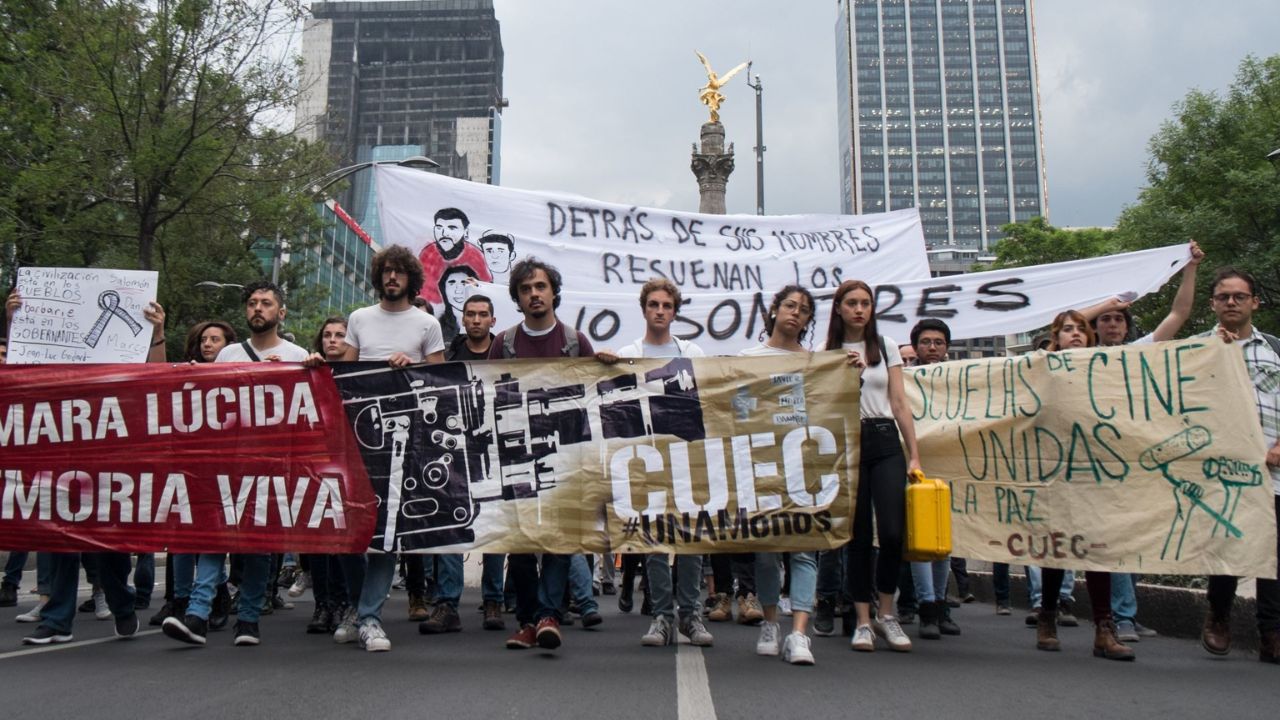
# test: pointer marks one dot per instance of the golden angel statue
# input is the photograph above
(710, 93)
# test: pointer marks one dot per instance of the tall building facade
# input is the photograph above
(939, 110)
(392, 79)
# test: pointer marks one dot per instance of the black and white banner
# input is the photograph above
(727, 266)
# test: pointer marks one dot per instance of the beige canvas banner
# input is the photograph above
(571, 455)
(1139, 458)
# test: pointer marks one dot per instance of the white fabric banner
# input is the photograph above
(727, 266)
(1001, 302)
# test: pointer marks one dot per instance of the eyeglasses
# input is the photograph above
(1240, 298)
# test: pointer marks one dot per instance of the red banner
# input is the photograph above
(253, 457)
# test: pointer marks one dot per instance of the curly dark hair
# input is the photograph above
(191, 350)
(776, 303)
(259, 286)
(397, 258)
(524, 270)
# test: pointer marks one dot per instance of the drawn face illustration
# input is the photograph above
(497, 256)
(449, 233)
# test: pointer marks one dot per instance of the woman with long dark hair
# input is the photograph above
(882, 482)
(789, 322)
(1069, 331)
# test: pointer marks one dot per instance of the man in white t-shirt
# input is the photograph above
(397, 332)
(660, 301)
(264, 310)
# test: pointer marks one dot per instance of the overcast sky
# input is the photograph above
(604, 95)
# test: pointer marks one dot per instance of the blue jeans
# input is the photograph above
(183, 567)
(552, 582)
(831, 578)
(1124, 596)
(804, 579)
(211, 571)
(144, 576)
(688, 576)
(449, 581)
(113, 577)
(580, 584)
(930, 579)
(44, 570)
(379, 574)
(1033, 586)
(491, 578)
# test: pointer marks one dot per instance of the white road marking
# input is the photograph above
(693, 689)
(37, 649)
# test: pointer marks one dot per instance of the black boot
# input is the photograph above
(928, 614)
(220, 611)
(945, 623)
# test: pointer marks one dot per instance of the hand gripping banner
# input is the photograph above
(655, 455)
(250, 457)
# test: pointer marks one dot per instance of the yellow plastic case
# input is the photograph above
(928, 519)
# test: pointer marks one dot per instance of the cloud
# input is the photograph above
(604, 95)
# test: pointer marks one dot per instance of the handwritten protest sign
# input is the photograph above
(81, 315)
(1141, 458)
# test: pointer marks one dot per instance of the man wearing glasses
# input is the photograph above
(1234, 299)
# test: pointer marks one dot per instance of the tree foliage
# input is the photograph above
(1208, 179)
(1036, 242)
(146, 134)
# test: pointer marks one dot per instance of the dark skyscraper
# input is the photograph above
(389, 80)
(939, 109)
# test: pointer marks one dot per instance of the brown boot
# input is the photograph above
(1047, 631)
(1106, 644)
(1269, 648)
(1216, 635)
(418, 610)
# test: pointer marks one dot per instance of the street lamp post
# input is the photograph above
(318, 186)
(759, 148)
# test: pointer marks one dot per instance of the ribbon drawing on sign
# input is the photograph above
(109, 301)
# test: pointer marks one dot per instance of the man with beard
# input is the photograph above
(451, 249)
(400, 334)
(535, 287)
(264, 310)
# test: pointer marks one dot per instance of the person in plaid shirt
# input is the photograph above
(1234, 299)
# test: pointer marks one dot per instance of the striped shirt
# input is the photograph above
(1264, 370)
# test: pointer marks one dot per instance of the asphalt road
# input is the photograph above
(993, 671)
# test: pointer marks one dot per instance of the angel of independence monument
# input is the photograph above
(712, 161)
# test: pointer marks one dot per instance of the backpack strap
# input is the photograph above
(509, 341)
(570, 348)
(248, 349)
(1273, 341)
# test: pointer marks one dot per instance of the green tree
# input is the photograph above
(147, 134)
(1036, 242)
(1208, 179)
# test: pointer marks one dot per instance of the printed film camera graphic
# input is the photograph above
(672, 406)
(434, 437)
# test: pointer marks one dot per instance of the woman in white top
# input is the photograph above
(790, 320)
(882, 481)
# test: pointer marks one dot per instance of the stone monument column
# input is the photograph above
(712, 165)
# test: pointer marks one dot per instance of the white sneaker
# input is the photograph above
(784, 606)
(864, 639)
(347, 631)
(767, 644)
(888, 628)
(300, 585)
(100, 608)
(796, 649)
(32, 615)
(373, 638)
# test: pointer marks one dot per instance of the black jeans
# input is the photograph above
(1222, 593)
(882, 489)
